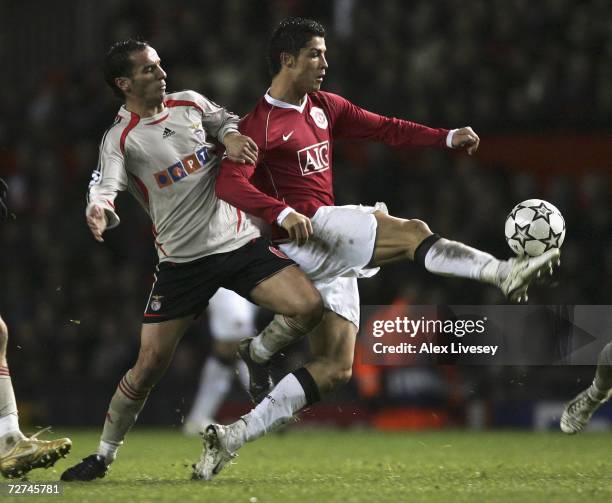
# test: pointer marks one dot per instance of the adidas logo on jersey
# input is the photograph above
(168, 133)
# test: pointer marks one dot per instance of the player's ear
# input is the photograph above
(122, 83)
(287, 59)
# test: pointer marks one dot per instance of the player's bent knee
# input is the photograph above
(309, 305)
(416, 229)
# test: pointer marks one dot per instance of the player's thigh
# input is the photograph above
(288, 292)
(334, 340)
(397, 238)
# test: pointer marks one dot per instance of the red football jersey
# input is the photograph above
(294, 167)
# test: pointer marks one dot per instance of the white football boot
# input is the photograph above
(523, 270)
(220, 444)
(578, 412)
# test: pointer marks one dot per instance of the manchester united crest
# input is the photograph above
(319, 117)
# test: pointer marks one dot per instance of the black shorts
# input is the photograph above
(182, 289)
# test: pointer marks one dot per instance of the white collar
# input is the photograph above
(282, 104)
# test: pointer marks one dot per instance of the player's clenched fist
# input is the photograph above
(466, 138)
(298, 226)
(96, 221)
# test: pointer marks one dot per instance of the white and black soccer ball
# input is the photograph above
(533, 227)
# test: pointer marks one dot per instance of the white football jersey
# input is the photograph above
(166, 162)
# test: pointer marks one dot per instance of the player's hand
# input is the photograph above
(240, 148)
(298, 226)
(466, 138)
(3, 191)
(96, 221)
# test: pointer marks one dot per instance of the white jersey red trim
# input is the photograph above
(167, 162)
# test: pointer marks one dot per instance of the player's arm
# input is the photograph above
(234, 186)
(107, 180)
(222, 124)
(353, 122)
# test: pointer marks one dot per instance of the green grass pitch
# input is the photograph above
(347, 466)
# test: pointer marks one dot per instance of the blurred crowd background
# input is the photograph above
(534, 79)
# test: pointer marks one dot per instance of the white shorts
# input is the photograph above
(230, 316)
(338, 253)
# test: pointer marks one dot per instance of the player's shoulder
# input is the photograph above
(257, 114)
(326, 98)
(184, 95)
(113, 133)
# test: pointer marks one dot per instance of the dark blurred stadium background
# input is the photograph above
(534, 79)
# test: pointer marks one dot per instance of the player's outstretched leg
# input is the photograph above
(18, 453)
(578, 412)
(157, 344)
(398, 239)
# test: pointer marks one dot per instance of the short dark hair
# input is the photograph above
(117, 62)
(291, 35)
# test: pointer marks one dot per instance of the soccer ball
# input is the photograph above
(533, 227)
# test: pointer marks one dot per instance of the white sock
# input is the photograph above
(258, 350)
(279, 333)
(451, 258)
(9, 424)
(215, 382)
(243, 374)
(108, 451)
(276, 409)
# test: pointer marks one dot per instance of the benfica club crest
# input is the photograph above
(319, 117)
(156, 302)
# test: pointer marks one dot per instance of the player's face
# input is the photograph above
(310, 66)
(148, 80)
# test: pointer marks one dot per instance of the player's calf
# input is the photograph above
(329, 374)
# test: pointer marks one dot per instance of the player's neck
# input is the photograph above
(283, 91)
(143, 109)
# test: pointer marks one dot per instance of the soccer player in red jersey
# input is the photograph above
(18, 453)
(290, 187)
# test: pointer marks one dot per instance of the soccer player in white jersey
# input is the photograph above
(160, 149)
(578, 412)
(231, 318)
(290, 186)
(18, 453)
